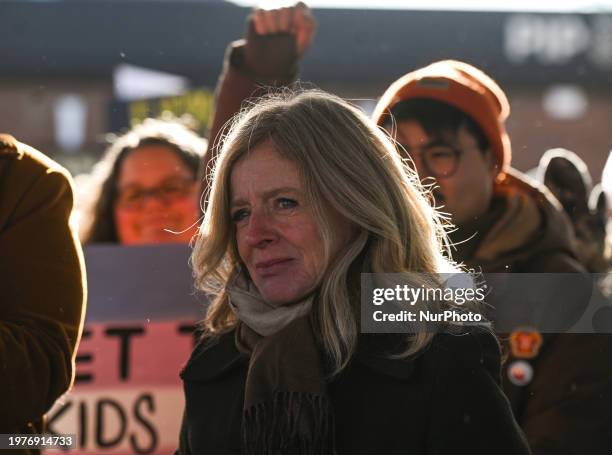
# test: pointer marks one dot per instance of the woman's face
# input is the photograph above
(277, 236)
(155, 191)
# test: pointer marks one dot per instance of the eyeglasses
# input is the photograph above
(133, 198)
(439, 160)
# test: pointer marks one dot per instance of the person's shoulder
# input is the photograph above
(30, 163)
(472, 348)
(9, 147)
(33, 158)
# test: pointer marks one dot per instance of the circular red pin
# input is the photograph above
(520, 373)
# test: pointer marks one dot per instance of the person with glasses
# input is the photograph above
(145, 189)
(449, 119)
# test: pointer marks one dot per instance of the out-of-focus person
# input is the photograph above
(282, 366)
(449, 118)
(42, 290)
(566, 175)
(145, 189)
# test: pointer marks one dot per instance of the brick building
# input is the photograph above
(58, 60)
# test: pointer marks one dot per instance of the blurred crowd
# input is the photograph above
(447, 122)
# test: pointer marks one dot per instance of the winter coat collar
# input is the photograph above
(525, 221)
(214, 357)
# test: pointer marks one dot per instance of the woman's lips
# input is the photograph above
(272, 267)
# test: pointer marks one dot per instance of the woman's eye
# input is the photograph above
(130, 196)
(285, 204)
(170, 190)
(239, 215)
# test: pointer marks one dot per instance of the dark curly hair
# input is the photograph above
(98, 202)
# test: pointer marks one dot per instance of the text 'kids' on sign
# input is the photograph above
(140, 329)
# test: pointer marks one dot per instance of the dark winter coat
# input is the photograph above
(447, 400)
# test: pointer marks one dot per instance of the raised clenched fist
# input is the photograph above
(296, 20)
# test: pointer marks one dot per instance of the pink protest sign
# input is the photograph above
(141, 318)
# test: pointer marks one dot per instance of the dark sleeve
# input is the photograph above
(235, 85)
(568, 406)
(470, 414)
(43, 295)
(251, 68)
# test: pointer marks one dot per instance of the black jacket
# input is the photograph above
(446, 400)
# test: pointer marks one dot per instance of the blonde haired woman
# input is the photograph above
(306, 194)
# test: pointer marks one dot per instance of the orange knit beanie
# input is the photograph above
(464, 87)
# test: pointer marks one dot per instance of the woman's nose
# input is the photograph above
(152, 201)
(260, 230)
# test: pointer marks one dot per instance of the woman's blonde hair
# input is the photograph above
(349, 165)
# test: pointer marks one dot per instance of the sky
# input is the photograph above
(475, 5)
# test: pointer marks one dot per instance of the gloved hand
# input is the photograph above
(275, 40)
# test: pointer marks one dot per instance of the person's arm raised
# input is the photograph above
(267, 57)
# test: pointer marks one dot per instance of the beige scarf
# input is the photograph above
(286, 408)
(264, 318)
